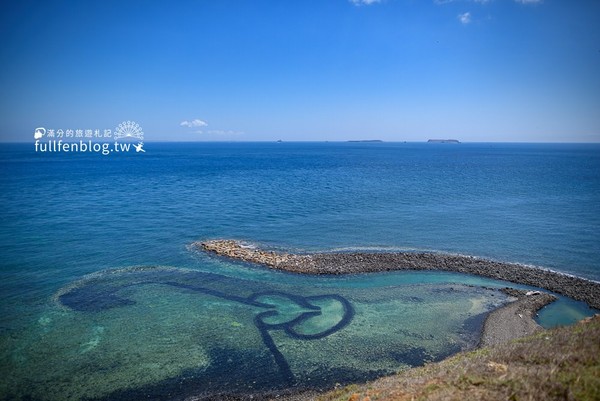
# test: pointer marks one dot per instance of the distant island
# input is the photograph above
(366, 140)
(443, 141)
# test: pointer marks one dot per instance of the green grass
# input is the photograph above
(559, 364)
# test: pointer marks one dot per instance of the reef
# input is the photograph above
(279, 311)
(363, 262)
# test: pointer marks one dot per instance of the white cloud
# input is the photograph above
(464, 18)
(529, 1)
(193, 124)
(364, 2)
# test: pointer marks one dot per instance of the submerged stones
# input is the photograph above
(155, 332)
(363, 262)
(300, 317)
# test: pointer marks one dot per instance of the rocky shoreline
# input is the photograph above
(513, 320)
(363, 262)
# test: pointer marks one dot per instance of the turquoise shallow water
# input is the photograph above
(153, 333)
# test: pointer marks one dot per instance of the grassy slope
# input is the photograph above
(559, 364)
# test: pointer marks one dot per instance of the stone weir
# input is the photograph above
(365, 262)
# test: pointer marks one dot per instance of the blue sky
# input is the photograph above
(397, 70)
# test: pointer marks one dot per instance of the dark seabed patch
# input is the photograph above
(170, 333)
(280, 310)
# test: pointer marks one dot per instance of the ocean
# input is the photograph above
(102, 297)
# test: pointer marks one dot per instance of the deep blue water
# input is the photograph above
(67, 215)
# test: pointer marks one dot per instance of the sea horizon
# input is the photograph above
(71, 219)
(217, 201)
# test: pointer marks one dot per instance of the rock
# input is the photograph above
(359, 262)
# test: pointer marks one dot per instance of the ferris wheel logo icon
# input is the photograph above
(129, 129)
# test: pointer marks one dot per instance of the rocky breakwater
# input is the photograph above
(249, 253)
(363, 262)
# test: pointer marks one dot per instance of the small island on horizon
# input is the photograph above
(365, 140)
(443, 141)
